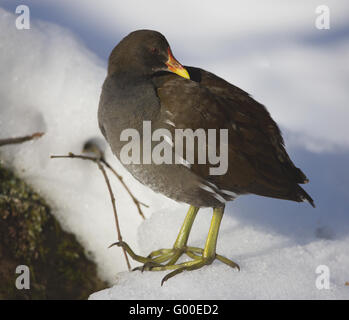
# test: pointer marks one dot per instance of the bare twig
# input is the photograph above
(20, 139)
(100, 166)
(95, 147)
(120, 178)
(114, 209)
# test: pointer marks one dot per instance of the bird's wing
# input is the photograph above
(185, 104)
(258, 161)
(251, 117)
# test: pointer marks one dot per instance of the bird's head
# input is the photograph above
(144, 52)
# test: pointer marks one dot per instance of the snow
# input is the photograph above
(51, 82)
(272, 266)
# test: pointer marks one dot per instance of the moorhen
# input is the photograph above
(147, 87)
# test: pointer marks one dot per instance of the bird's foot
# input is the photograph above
(165, 259)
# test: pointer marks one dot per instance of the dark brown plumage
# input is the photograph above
(258, 161)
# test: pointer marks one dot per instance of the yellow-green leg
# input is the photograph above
(200, 257)
(180, 244)
(208, 254)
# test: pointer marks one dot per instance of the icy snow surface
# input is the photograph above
(272, 266)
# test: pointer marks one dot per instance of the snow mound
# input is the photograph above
(272, 266)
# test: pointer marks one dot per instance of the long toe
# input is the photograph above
(187, 266)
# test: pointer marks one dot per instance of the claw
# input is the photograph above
(228, 262)
(187, 266)
(114, 244)
(137, 269)
(172, 274)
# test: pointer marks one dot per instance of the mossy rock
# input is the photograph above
(30, 235)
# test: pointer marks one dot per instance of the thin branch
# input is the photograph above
(120, 178)
(100, 166)
(35, 135)
(95, 147)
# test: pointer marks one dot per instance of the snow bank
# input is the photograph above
(272, 266)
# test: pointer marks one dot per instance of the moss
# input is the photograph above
(30, 235)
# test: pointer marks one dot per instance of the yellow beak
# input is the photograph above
(175, 67)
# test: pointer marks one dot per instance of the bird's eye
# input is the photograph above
(154, 50)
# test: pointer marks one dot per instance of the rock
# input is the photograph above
(30, 235)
